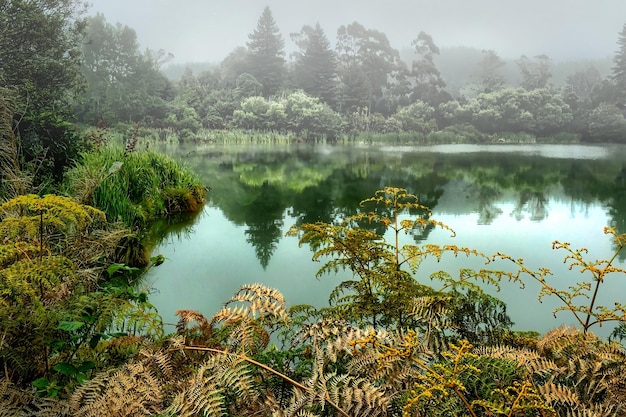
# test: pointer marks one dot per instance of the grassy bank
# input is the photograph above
(135, 187)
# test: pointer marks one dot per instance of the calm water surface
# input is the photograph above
(507, 198)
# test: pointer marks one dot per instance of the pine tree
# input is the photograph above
(618, 74)
(316, 64)
(266, 53)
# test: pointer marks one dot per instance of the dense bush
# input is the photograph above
(134, 187)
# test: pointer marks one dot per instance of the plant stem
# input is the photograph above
(599, 280)
(269, 369)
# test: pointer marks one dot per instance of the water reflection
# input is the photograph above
(503, 197)
(255, 185)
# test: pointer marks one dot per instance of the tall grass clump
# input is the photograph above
(135, 187)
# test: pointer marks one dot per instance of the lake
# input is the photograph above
(515, 199)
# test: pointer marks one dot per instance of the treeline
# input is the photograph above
(363, 84)
(61, 65)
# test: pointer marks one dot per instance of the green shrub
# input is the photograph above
(134, 188)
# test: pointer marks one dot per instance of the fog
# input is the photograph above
(207, 30)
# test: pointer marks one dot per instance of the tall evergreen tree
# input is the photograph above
(266, 55)
(316, 64)
(618, 73)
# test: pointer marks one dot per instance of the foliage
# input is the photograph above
(14, 180)
(316, 64)
(298, 113)
(135, 187)
(123, 84)
(535, 74)
(618, 72)
(488, 71)
(226, 365)
(417, 117)
(367, 62)
(607, 123)
(57, 323)
(384, 291)
(428, 86)
(49, 145)
(455, 384)
(40, 69)
(539, 111)
(266, 53)
(581, 298)
(40, 50)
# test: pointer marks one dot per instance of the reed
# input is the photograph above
(134, 188)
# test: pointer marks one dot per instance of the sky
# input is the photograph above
(208, 30)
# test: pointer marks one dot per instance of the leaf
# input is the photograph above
(85, 366)
(157, 260)
(113, 268)
(40, 383)
(95, 339)
(80, 378)
(65, 368)
(70, 326)
(115, 167)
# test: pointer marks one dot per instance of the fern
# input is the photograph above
(581, 298)
(383, 287)
(131, 391)
(251, 315)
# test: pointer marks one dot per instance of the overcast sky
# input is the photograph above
(207, 30)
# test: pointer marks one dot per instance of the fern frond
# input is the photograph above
(160, 360)
(534, 363)
(357, 396)
(260, 302)
(559, 394)
(134, 390)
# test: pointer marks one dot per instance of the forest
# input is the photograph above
(81, 106)
(361, 87)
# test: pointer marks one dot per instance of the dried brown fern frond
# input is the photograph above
(202, 396)
(323, 330)
(378, 365)
(565, 341)
(592, 369)
(199, 333)
(19, 402)
(160, 360)
(134, 390)
(250, 316)
(534, 363)
(593, 411)
(357, 396)
(223, 384)
(554, 393)
(434, 313)
(254, 301)
(349, 395)
(300, 413)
